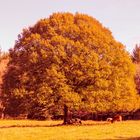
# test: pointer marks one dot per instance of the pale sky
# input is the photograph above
(122, 17)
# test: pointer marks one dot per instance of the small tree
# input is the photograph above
(70, 62)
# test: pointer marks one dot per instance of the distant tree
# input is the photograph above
(69, 62)
(136, 60)
(136, 54)
(137, 77)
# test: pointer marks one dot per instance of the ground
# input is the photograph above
(53, 130)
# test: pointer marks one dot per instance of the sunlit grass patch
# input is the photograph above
(52, 130)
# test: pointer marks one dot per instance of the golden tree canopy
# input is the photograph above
(73, 60)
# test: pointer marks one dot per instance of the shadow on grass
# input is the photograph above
(11, 126)
(50, 125)
(124, 138)
(131, 138)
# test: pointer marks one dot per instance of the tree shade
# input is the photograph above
(72, 61)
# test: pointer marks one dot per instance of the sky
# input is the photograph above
(122, 17)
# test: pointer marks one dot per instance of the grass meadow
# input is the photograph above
(53, 130)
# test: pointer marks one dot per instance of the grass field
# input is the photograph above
(52, 130)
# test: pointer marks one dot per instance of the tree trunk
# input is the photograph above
(96, 116)
(2, 115)
(65, 114)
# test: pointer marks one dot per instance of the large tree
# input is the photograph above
(3, 66)
(69, 61)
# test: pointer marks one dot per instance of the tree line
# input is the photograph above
(68, 63)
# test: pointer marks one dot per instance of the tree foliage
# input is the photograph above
(69, 60)
(136, 60)
(3, 66)
(4, 58)
(137, 77)
(136, 54)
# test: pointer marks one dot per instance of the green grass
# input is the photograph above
(48, 130)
